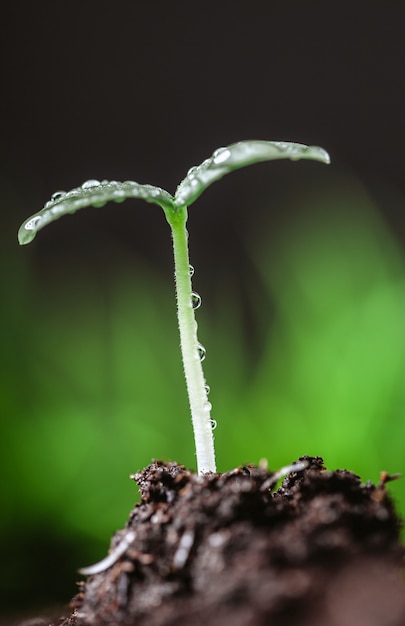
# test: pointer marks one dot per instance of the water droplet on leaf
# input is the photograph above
(119, 195)
(221, 155)
(92, 182)
(192, 171)
(213, 423)
(191, 270)
(58, 195)
(195, 300)
(207, 389)
(33, 223)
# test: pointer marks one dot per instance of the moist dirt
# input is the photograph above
(224, 549)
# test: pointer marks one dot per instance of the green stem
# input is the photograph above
(199, 405)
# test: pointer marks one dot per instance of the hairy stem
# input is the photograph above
(199, 405)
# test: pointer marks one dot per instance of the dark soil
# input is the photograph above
(322, 550)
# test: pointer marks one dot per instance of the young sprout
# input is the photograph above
(98, 193)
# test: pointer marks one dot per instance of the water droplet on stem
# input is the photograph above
(195, 300)
(201, 352)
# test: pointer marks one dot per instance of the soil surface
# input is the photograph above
(223, 550)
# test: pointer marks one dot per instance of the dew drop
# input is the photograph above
(195, 300)
(92, 182)
(201, 351)
(213, 423)
(192, 171)
(58, 195)
(194, 182)
(119, 195)
(282, 145)
(191, 270)
(139, 192)
(208, 406)
(221, 155)
(207, 389)
(32, 224)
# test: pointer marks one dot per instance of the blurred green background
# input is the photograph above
(300, 266)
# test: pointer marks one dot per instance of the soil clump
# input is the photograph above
(223, 549)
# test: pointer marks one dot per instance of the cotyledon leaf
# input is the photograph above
(223, 161)
(91, 193)
(237, 155)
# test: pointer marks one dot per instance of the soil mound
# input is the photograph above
(222, 549)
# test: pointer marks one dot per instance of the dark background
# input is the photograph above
(142, 90)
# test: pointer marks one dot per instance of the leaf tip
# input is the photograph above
(322, 155)
(28, 230)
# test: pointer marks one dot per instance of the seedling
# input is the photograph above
(98, 193)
